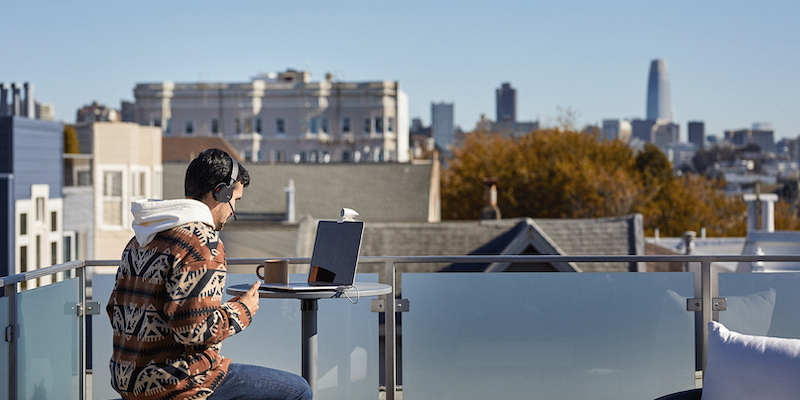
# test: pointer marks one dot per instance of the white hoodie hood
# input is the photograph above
(154, 216)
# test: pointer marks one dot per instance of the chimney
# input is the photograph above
(688, 242)
(30, 103)
(15, 102)
(490, 210)
(767, 204)
(291, 216)
(3, 100)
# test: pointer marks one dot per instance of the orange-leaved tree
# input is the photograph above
(568, 174)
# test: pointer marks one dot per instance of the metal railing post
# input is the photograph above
(81, 275)
(706, 312)
(390, 334)
(12, 337)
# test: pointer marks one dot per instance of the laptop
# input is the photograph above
(334, 260)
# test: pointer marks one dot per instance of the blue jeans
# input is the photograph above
(247, 382)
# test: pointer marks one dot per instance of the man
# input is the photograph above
(166, 310)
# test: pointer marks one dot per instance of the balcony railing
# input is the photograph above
(465, 335)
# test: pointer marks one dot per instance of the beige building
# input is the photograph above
(285, 117)
(125, 166)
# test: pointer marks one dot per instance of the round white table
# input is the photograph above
(308, 308)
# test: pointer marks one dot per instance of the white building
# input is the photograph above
(617, 129)
(119, 162)
(285, 117)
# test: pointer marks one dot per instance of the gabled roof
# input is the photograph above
(185, 149)
(608, 236)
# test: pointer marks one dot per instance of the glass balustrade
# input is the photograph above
(761, 304)
(465, 335)
(49, 341)
(547, 336)
(4, 354)
(347, 340)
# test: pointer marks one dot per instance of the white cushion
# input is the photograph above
(750, 314)
(750, 367)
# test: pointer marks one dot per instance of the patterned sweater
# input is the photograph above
(167, 316)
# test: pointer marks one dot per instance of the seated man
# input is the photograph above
(166, 310)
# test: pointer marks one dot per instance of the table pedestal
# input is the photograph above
(310, 355)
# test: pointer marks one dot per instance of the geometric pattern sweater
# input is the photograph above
(167, 316)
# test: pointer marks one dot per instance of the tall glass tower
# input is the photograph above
(442, 118)
(658, 101)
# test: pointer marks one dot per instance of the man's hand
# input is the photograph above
(250, 299)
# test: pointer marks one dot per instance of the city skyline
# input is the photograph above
(590, 58)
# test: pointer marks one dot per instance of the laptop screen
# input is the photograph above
(336, 251)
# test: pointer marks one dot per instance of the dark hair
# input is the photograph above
(210, 168)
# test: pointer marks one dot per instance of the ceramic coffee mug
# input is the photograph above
(273, 271)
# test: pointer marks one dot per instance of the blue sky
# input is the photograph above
(731, 63)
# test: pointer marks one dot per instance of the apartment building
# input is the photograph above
(31, 203)
(285, 117)
(118, 162)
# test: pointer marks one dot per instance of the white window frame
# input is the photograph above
(102, 197)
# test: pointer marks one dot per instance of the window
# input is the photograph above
(40, 208)
(23, 265)
(23, 224)
(168, 129)
(53, 254)
(112, 198)
(38, 251)
(67, 251)
(23, 259)
(367, 125)
(155, 122)
(324, 127)
(258, 125)
(214, 126)
(280, 126)
(138, 185)
(280, 156)
(345, 156)
(188, 127)
(313, 128)
(54, 221)
(84, 178)
(390, 124)
(248, 125)
(237, 125)
(379, 125)
(346, 125)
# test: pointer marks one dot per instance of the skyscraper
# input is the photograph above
(658, 100)
(506, 104)
(442, 123)
(697, 133)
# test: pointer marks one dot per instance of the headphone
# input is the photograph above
(223, 192)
